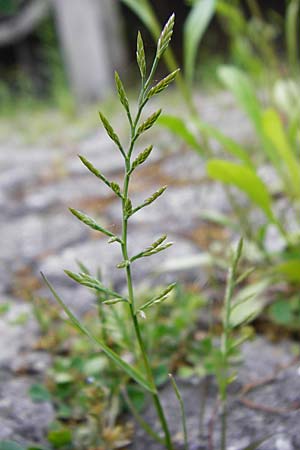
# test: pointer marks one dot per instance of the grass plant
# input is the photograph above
(137, 127)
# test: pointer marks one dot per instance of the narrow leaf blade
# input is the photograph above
(178, 127)
(131, 371)
(241, 87)
(275, 132)
(244, 179)
(194, 29)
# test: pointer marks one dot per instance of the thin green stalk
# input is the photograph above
(133, 313)
(146, 362)
(230, 285)
(182, 409)
(223, 425)
(291, 34)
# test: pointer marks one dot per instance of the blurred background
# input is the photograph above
(63, 53)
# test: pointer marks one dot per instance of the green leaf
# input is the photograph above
(248, 303)
(289, 270)
(275, 132)
(60, 438)
(232, 14)
(292, 33)
(129, 370)
(194, 29)
(281, 312)
(141, 9)
(39, 393)
(10, 445)
(178, 127)
(244, 179)
(240, 85)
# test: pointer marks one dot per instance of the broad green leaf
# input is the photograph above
(281, 312)
(10, 445)
(290, 270)
(240, 85)
(245, 179)
(274, 131)
(232, 147)
(179, 128)
(131, 371)
(194, 29)
(248, 303)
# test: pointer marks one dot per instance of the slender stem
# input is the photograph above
(124, 247)
(230, 285)
(182, 409)
(223, 425)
